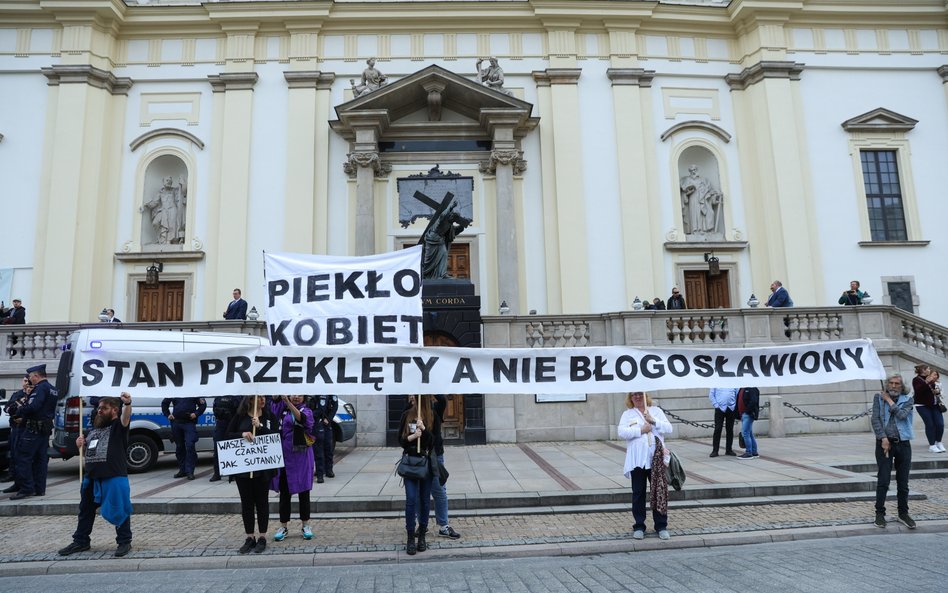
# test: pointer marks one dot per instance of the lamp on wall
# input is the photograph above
(151, 274)
(504, 309)
(714, 264)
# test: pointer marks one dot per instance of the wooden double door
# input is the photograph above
(706, 291)
(164, 302)
(452, 428)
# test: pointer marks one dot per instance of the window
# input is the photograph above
(880, 173)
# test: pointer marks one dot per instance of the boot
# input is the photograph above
(422, 544)
(410, 548)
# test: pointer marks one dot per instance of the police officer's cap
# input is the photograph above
(40, 368)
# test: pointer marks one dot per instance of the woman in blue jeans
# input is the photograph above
(748, 406)
(417, 439)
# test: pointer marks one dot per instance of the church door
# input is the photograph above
(164, 302)
(704, 291)
(452, 429)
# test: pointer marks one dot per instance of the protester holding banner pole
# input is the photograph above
(296, 475)
(253, 418)
(644, 427)
(417, 440)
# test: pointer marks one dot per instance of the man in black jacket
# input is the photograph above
(183, 412)
(324, 410)
(225, 407)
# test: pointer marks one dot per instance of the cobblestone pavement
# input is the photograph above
(169, 536)
(848, 565)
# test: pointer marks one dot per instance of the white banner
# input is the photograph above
(237, 456)
(270, 370)
(319, 300)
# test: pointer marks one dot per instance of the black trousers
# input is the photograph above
(254, 497)
(286, 498)
(220, 434)
(900, 454)
(725, 419)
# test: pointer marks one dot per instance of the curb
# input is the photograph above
(448, 554)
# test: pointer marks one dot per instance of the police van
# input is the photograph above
(149, 429)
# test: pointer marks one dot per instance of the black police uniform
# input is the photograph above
(12, 409)
(224, 407)
(184, 430)
(32, 459)
(324, 410)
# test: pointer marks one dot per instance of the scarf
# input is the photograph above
(659, 481)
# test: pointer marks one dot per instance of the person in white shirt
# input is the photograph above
(644, 427)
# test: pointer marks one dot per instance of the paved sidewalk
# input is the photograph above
(584, 508)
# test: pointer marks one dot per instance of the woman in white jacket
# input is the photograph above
(644, 427)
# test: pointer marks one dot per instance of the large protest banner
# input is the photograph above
(320, 300)
(271, 370)
(237, 456)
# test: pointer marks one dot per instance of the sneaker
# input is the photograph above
(906, 520)
(448, 531)
(122, 550)
(746, 456)
(261, 545)
(934, 449)
(307, 532)
(249, 544)
(638, 534)
(880, 520)
(940, 446)
(280, 535)
(663, 534)
(73, 548)
(756, 455)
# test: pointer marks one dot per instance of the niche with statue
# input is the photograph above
(702, 201)
(164, 204)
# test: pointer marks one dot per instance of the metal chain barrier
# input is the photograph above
(823, 419)
(763, 408)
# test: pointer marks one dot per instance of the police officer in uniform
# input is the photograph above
(183, 412)
(324, 409)
(225, 407)
(17, 400)
(37, 413)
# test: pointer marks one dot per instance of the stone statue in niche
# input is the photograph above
(492, 76)
(168, 209)
(372, 80)
(701, 207)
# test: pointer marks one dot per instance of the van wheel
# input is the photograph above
(141, 453)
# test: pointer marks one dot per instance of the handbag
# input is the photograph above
(442, 471)
(941, 405)
(413, 467)
(676, 473)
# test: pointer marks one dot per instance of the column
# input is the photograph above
(506, 160)
(231, 202)
(75, 235)
(364, 164)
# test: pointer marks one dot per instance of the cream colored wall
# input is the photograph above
(78, 192)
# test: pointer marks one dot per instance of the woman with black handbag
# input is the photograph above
(253, 418)
(417, 440)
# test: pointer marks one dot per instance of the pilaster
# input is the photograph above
(640, 218)
(307, 165)
(570, 231)
(364, 163)
(765, 100)
(232, 201)
(76, 233)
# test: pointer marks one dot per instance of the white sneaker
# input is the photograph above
(941, 447)
(663, 534)
(638, 534)
(934, 449)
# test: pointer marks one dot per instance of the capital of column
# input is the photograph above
(85, 74)
(761, 70)
(631, 77)
(355, 160)
(514, 158)
(311, 79)
(233, 81)
(552, 76)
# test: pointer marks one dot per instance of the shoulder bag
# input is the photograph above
(676, 473)
(413, 467)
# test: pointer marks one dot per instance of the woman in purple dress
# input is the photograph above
(296, 475)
